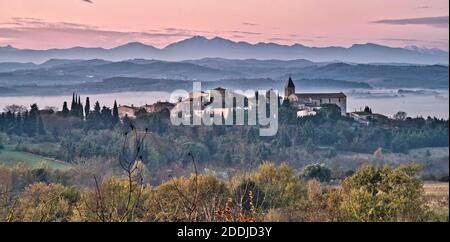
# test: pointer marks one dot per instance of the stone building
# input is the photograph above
(309, 103)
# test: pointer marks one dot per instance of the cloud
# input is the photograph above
(418, 41)
(440, 21)
(237, 36)
(249, 24)
(294, 40)
(244, 32)
(424, 7)
(401, 40)
(41, 34)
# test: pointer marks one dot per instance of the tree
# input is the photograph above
(400, 115)
(383, 194)
(106, 117)
(31, 121)
(94, 120)
(15, 108)
(80, 113)
(227, 158)
(115, 114)
(207, 193)
(18, 124)
(118, 200)
(65, 110)
(40, 126)
(87, 108)
(316, 171)
(279, 184)
(73, 106)
(198, 150)
(330, 111)
(97, 107)
(3, 138)
(242, 195)
(45, 203)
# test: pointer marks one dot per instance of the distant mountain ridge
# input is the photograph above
(199, 47)
(69, 72)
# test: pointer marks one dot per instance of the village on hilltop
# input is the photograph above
(306, 104)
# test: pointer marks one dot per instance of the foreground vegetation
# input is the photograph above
(148, 170)
(268, 193)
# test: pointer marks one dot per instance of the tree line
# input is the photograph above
(20, 121)
(83, 133)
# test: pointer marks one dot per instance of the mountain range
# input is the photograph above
(225, 72)
(199, 47)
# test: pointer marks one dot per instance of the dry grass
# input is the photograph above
(437, 192)
(436, 196)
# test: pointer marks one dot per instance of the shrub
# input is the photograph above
(280, 185)
(316, 171)
(384, 194)
(242, 194)
(199, 152)
(45, 203)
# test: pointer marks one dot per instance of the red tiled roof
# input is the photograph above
(321, 95)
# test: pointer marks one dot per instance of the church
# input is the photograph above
(309, 103)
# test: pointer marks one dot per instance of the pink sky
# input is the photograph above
(43, 24)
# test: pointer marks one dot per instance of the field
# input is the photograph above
(436, 195)
(10, 157)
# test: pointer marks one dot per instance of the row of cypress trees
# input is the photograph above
(77, 110)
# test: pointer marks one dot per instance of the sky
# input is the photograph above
(44, 24)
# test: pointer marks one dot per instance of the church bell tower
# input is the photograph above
(289, 88)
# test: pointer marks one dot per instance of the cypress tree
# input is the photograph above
(87, 108)
(96, 114)
(80, 113)
(115, 113)
(73, 105)
(65, 110)
(18, 126)
(33, 120)
(97, 107)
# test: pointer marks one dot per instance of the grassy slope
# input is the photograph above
(10, 157)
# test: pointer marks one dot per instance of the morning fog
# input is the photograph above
(226, 107)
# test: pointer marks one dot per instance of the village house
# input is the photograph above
(364, 117)
(310, 103)
(131, 111)
(128, 111)
(158, 107)
(205, 99)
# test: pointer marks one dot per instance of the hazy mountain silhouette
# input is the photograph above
(199, 47)
(67, 72)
